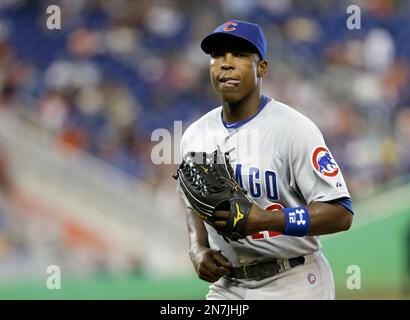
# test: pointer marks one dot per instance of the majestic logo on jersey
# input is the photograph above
(324, 163)
(230, 26)
(239, 215)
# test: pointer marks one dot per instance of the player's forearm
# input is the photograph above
(325, 218)
(198, 235)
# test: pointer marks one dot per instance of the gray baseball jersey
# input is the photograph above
(280, 157)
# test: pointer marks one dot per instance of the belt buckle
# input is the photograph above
(265, 269)
(247, 266)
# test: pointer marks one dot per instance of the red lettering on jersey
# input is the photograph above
(259, 235)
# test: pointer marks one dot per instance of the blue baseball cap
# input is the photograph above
(250, 32)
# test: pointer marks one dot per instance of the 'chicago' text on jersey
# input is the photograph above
(258, 181)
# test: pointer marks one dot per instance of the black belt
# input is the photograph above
(262, 270)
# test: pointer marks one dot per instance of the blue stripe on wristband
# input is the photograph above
(297, 221)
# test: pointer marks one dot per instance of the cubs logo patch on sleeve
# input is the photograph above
(323, 162)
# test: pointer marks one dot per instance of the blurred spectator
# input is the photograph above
(5, 181)
(53, 111)
(402, 126)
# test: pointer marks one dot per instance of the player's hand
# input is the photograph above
(209, 264)
(254, 224)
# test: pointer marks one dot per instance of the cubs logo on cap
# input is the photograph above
(324, 163)
(230, 26)
(247, 32)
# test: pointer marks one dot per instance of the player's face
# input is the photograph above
(235, 72)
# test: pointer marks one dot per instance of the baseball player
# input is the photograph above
(280, 157)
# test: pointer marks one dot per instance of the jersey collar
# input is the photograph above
(234, 125)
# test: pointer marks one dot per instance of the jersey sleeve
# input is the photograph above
(314, 173)
(179, 189)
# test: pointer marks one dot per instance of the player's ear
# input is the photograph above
(262, 68)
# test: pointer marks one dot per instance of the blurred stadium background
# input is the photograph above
(78, 107)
